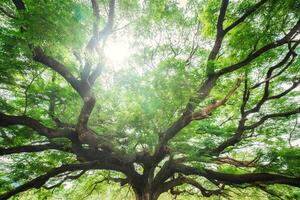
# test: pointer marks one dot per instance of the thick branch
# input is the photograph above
(95, 7)
(93, 41)
(8, 120)
(232, 140)
(265, 178)
(164, 173)
(85, 135)
(30, 149)
(102, 35)
(186, 117)
(88, 79)
(168, 185)
(95, 74)
(252, 178)
(110, 21)
(220, 33)
(40, 56)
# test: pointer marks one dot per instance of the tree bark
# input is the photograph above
(146, 195)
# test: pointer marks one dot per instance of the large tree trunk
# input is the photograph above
(145, 194)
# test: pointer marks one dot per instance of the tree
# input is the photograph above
(207, 103)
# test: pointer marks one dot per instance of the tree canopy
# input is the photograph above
(148, 100)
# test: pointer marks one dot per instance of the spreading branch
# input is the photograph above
(237, 163)
(208, 84)
(265, 178)
(94, 39)
(283, 62)
(208, 109)
(31, 148)
(271, 116)
(41, 180)
(249, 12)
(265, 97)
(110, 21)
(262, 50)
(40, 56)
(220, 32)
(88, 79)
(69, 177)
(113, 160)
(185, 118)
(169, 185)
(9, 120)
(101, 35)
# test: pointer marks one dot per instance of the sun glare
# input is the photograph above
(117, 52)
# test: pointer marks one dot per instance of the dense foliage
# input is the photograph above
(125, 99)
